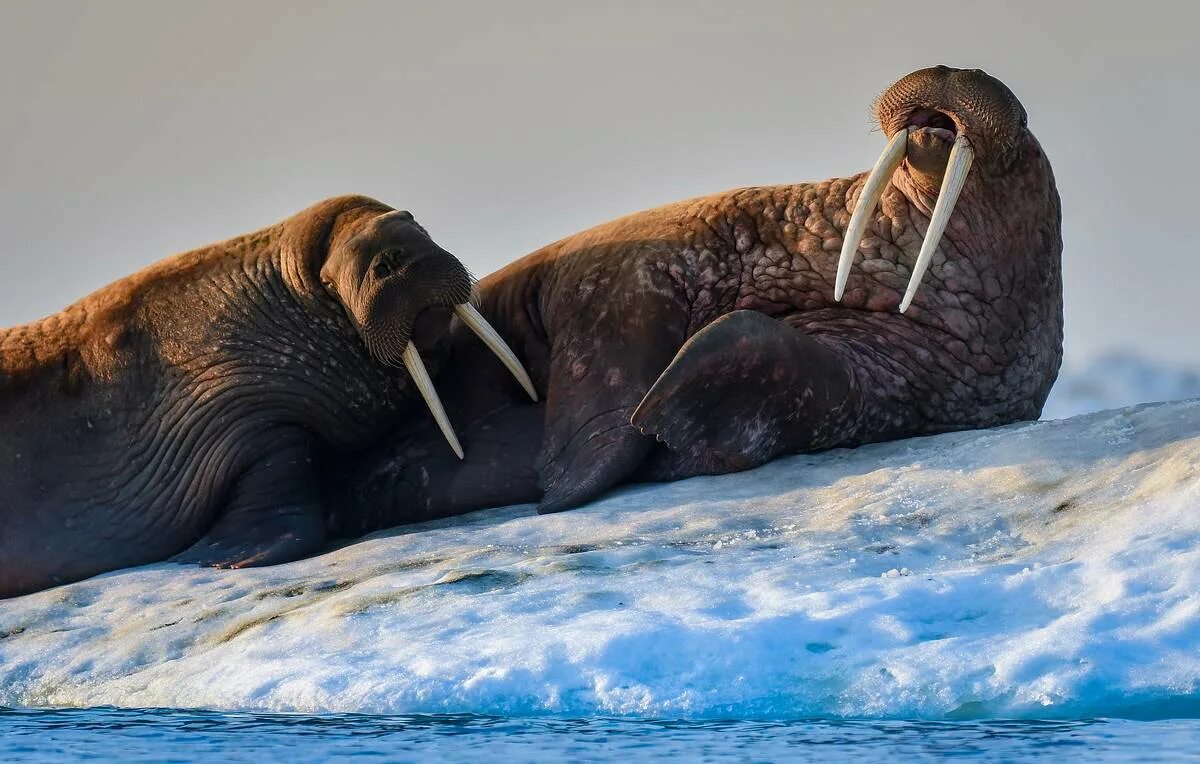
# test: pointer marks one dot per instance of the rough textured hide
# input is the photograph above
(185, 409)
(723, 305)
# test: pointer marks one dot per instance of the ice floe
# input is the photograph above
(1049, 569)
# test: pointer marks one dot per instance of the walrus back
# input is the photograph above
(45, 352)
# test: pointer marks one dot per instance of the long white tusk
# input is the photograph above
(496, 343)
(957, 166)
(868, 200)
(416, 369)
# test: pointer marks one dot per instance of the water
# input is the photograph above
(181, 735)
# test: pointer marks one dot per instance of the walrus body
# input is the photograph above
(185, 410)
(704, 336)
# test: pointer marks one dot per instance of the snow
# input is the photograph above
(1048, 569)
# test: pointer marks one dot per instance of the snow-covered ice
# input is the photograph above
(1049, 569)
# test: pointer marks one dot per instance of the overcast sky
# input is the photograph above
(129, 131)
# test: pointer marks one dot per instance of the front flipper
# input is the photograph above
(742, 391)
(273, 516)
(605, 354)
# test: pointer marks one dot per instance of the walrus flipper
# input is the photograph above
(742, 391)
(274, 515)
(420, 479)
(602, 361)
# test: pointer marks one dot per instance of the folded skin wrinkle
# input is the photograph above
(957, 167)
(185, 412)
(868, 200)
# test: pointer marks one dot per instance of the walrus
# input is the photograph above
(717, 333)
(183, 412)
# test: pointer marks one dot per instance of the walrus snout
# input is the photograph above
(431, 327)
(967, 102)
(938, 120)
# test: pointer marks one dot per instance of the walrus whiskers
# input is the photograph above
(957, 168)
(416, 369)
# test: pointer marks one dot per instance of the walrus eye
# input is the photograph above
(385, 264)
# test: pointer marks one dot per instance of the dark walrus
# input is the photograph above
(185, 410)
(713, 334)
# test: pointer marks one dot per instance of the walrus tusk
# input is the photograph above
(496, 343)
(868, 200)
(957, 166)
(491, 338)
(416, 369)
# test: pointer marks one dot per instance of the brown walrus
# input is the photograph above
(714, 334)
(185, 410)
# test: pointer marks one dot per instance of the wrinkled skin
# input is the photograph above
(185, 409)
(703, 336)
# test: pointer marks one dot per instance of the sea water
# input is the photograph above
(175, 735)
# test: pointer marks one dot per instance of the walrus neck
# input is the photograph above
(248, 344)
(337, 390)
(988, 309)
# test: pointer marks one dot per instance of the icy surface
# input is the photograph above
(1048, 569)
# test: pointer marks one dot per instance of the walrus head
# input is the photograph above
(400, 290)
(395, 283)
(939, 122)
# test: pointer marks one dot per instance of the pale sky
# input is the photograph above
(130, 131)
